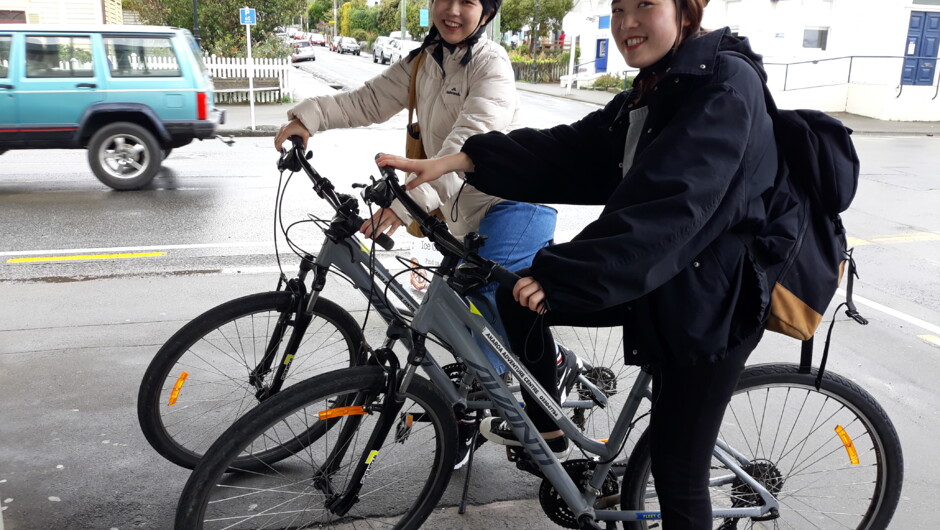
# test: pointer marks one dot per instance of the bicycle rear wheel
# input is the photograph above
(602, 349)
(832, 457)
(208, 363)
(403, 484)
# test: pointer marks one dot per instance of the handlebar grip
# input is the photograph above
(385, 241)
(387, 171)
(504, 276)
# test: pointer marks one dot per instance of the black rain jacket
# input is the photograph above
(668, 248)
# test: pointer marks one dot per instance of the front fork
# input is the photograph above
(341, 503)
(298, 317)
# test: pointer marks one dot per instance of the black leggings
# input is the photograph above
(688, 405)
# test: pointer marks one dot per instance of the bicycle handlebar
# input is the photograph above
(383, 191)
(294, 159)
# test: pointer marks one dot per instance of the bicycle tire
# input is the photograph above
(295, 487)
(815, 469)
(214, 350)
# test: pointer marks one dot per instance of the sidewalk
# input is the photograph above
(268, 118)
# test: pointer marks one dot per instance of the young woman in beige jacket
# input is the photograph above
(464, 87)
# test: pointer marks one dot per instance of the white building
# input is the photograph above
(870, 57)
(61, 12)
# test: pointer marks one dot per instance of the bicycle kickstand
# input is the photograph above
(466, 481)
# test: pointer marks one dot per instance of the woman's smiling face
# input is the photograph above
(456, 20)
(645, 30)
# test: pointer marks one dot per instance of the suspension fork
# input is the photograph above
(299, 316)
(341, 503)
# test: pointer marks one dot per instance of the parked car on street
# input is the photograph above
(302, 51)
(334, 44)
(348, 45)
(317, 39)
(127, 94)
(402, 48)
(381, 49)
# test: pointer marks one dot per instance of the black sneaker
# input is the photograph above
(569, 366)
(497, 431)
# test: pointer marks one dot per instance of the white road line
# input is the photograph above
(126, 249)
(933, 328)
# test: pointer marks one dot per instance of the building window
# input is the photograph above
(141, 57)
(63, 56)
(815, 38)
(12, 17)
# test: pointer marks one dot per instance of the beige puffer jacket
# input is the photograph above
(454, 103)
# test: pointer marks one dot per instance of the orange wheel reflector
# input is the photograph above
(849, 445)
(410, 420)
(176, 388)
(341, 411)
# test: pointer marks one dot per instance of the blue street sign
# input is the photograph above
(247, 15)
(424, 17)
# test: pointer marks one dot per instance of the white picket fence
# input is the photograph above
(267, 73)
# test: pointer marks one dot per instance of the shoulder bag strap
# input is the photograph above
(412, 98)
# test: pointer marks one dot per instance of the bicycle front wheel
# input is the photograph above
(202, 379)
(406, 477)
(832, 457)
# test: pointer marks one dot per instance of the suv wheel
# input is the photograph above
(124, 156)
(375, 58)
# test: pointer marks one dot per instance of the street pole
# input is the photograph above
(196, 23)
(403, 20)
(334, 19)
(251, 77)
(535, 35)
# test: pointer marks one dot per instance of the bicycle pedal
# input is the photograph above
(523, 462)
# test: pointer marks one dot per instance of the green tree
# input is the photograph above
(320, 11)
(517, 14)
(220, 30)
(388, 18)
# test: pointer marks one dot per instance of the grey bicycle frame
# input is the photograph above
(448, 316)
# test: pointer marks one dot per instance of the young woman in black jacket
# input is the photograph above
(680, 164)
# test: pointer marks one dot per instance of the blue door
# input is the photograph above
(920, 52)
(600, 64)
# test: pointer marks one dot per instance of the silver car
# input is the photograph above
(303, 51)
(348, 45)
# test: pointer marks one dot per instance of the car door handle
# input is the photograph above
(7, 86)
(86, 85)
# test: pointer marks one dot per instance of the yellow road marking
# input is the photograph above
(87, 257)
(856, 242)
(907, 238)
(933, 339)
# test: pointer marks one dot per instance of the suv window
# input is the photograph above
(5, 42)
(58, 56)
(141, 57)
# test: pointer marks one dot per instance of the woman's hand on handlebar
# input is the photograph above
(529, 293)
(426, 170)
(384, 219)
(293, 127)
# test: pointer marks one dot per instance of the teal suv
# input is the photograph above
(127, 94)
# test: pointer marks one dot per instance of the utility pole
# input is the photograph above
(196, 23)
(535, 35)
(403, 34)
(335, 33)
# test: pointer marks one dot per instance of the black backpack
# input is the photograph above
(803, 248)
